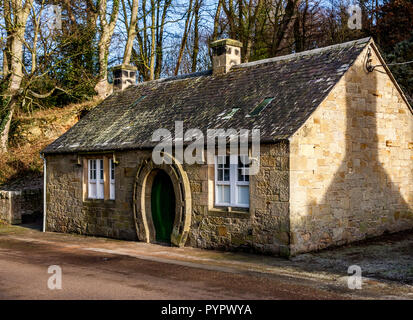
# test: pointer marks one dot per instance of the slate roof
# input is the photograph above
(297, 82)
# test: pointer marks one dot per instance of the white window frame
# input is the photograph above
(96, 184)
(233, 183)
(111, 179)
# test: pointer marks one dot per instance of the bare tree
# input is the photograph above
(195, 46)
(149, 54)
(131, 27)
(106, 29)
(160, 28)
(15, 16)
(242, 22)
(187, 27)
(216, 21)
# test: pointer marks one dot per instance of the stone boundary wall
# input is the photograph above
(16, 204)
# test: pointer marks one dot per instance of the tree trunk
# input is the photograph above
(153, 42)
(184, 37)
(216, 21)
(159, 41)
(195, 48)
(131, 28)
(5, 125)
(16, 18)
(102, 87)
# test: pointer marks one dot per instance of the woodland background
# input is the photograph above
(46, 65)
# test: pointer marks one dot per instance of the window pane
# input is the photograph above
(220, 175)
(240, 176)
(227, 162)
(243, 195)
(101, 169)
(263, 104)
(92, 169)
(223, 195)
(112, 190)
(112, 170)
(100, 192)
(226, 174)
(223, 161)
(242, 165)
(92, 190)
(112, 180)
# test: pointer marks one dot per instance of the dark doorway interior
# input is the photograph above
(163, 206)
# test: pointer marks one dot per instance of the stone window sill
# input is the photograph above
(229, 212)
(99, 202)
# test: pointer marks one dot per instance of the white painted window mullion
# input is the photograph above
(112, 179)
(233, 179)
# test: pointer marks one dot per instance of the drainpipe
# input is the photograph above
(44, 191)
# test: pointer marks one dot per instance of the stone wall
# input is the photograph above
(15, 205)
(68, 211)
(352, 163)
(264, 227)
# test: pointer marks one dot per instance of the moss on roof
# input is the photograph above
(298, 83)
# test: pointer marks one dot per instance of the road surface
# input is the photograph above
(99, 275)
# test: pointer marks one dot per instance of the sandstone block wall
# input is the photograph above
(352, 163)
(16, 204)
(68, 212)
(264, 227)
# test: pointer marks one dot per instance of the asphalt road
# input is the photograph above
(95, 275)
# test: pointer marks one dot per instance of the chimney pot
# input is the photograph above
(124, 75)
(225, 54)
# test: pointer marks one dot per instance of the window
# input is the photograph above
(231, 182)
(260, 107)
(112, 179)
(96, 179)
(100, 179)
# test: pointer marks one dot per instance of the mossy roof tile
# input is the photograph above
(298, 83)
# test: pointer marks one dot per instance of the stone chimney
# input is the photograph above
(225, 54)
(123, 76)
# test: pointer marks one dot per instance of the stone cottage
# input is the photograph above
(336, 156)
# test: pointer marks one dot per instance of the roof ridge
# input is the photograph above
(302, 53)
(262, 61)
(180, 77)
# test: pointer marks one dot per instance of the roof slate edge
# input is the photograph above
(141, 147)
(303, 53)
(369, 41)
(391, 76)
(175, 78)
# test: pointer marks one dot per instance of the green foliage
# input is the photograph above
(403, 52)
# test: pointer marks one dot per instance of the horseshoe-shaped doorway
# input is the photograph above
(154, 226)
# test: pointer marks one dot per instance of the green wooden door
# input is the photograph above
(163, 206)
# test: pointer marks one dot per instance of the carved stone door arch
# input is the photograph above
(142, 201)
